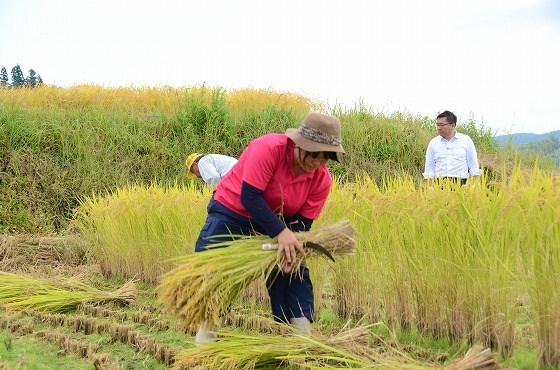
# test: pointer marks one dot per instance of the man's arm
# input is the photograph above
(208, 171)
(430, 163)
(472, 160)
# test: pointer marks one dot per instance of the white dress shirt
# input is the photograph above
(451, 158)
(213, 167)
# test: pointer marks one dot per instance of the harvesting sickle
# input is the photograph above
(317, 247)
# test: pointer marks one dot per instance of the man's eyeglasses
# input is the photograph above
(442, 124)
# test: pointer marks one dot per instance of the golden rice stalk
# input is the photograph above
(22, 292)
(348, 349)
(477, 358)
(37, 250)
(250, 320)
(203, 286)
(237, 350)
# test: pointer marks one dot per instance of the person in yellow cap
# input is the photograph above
(209, 167)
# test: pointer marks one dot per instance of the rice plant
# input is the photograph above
(430, 259)
(134, 230)
(203, 286)
(454, 262)
(289, 349)
(21, 292)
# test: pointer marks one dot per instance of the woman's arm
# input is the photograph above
(254, 202)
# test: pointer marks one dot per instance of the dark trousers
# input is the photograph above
(457, 180)
(291, 295)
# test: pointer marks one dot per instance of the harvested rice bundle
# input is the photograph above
(203, 286)
(236, 350)
(34, 250)
(22, 292)
(477, 358)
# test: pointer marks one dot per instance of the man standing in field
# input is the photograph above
(209, 167)
(451, 154)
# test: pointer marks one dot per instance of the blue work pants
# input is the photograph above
(291, 295)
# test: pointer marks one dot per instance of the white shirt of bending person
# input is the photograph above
(455, 157)
(213, 167)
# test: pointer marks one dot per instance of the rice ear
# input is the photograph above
(290, 349)
(203, 286)
(22, 292)
(126, 294)
(476, 358)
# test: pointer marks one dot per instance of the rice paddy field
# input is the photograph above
(96, 209)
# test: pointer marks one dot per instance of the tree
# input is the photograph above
(39, 80)
(4, 77)
(17, 77)
(31, 80)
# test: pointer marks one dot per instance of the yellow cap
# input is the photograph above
(189, 162)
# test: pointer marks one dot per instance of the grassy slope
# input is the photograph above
(57, 145)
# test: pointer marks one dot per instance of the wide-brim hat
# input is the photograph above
(189, 162)
(318, 133)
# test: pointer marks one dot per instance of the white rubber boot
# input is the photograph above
(302, 324)
(204, 334)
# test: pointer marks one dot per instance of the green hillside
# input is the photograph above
(58, 145)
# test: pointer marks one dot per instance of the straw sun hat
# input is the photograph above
(318, 133)
(189, 162)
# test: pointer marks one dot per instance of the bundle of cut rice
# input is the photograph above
(244, 351)
(477, 358)
(349, 349)
(22, 292)
(203, 286)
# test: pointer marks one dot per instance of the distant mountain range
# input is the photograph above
(523, 139)
(545, 144)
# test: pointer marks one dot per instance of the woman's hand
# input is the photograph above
(289, 246)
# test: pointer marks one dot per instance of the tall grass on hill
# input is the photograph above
(150, 99)
(58, 144)
(378, 145)
(480, 134)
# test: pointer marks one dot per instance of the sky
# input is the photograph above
(497, 61)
